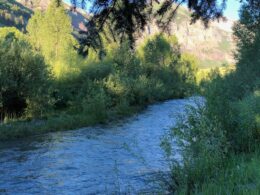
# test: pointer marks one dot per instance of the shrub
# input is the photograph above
(203, 147)
(23, 78)
(247, 133)
(158, 51)
(229, 122)
(126, 61)
(229, 100)
(95, 105)
(188, 68)
(162, 60)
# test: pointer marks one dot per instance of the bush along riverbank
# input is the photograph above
(46, 87)
(220, 139)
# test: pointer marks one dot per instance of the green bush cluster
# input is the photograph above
(247, 134)
(123, 80)
(23, 77)
(203, 147)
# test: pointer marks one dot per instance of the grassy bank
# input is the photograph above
(20, 128)
(240, 176)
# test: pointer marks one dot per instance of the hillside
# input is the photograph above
(17, 13)
(35, 4)
(213, 46)
(13, 13)
(78, 18)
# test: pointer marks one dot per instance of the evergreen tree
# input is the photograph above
(247, 33)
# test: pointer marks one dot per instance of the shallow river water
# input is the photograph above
(121, 158)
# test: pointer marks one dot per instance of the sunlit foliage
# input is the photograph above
(23, 76)
(50, 33)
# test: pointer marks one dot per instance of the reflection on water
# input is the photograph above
(118, 158)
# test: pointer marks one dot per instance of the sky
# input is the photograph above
(231, 11)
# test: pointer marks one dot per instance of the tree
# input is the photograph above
(23, 75)
(232, 97)
(50, 33)
(126, 17)
(247, 33)
(161, 50)
(130, 11)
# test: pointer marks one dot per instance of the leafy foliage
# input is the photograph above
(23, 76)
(51, 34)
(236, 86)
(126, 80)
(203, 145)
(115, 85)
(127, 17)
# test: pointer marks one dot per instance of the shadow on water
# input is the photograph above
(122, 158)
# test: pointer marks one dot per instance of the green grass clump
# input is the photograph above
(20, 128)
(240, 176)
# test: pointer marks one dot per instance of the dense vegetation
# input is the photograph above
(47, 86)
(220, 137)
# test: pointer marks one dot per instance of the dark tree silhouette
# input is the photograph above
(126, 17)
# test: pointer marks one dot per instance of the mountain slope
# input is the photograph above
(213, 46)
(13, 13)
(78, 18)
(17, 13)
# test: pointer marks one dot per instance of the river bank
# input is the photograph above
(15, 129)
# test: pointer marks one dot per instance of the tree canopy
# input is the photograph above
(126, 17)
(51, 34)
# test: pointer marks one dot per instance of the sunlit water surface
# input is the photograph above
(125, 157)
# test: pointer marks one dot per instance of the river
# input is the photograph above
(121, 158)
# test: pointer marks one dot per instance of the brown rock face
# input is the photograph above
(35, 4)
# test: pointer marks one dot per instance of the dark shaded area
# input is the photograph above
(12, 103)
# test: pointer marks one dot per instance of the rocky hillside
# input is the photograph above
(78, 17)
(13, 13)
(17, 13)
(35, 4)
(213, 46)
